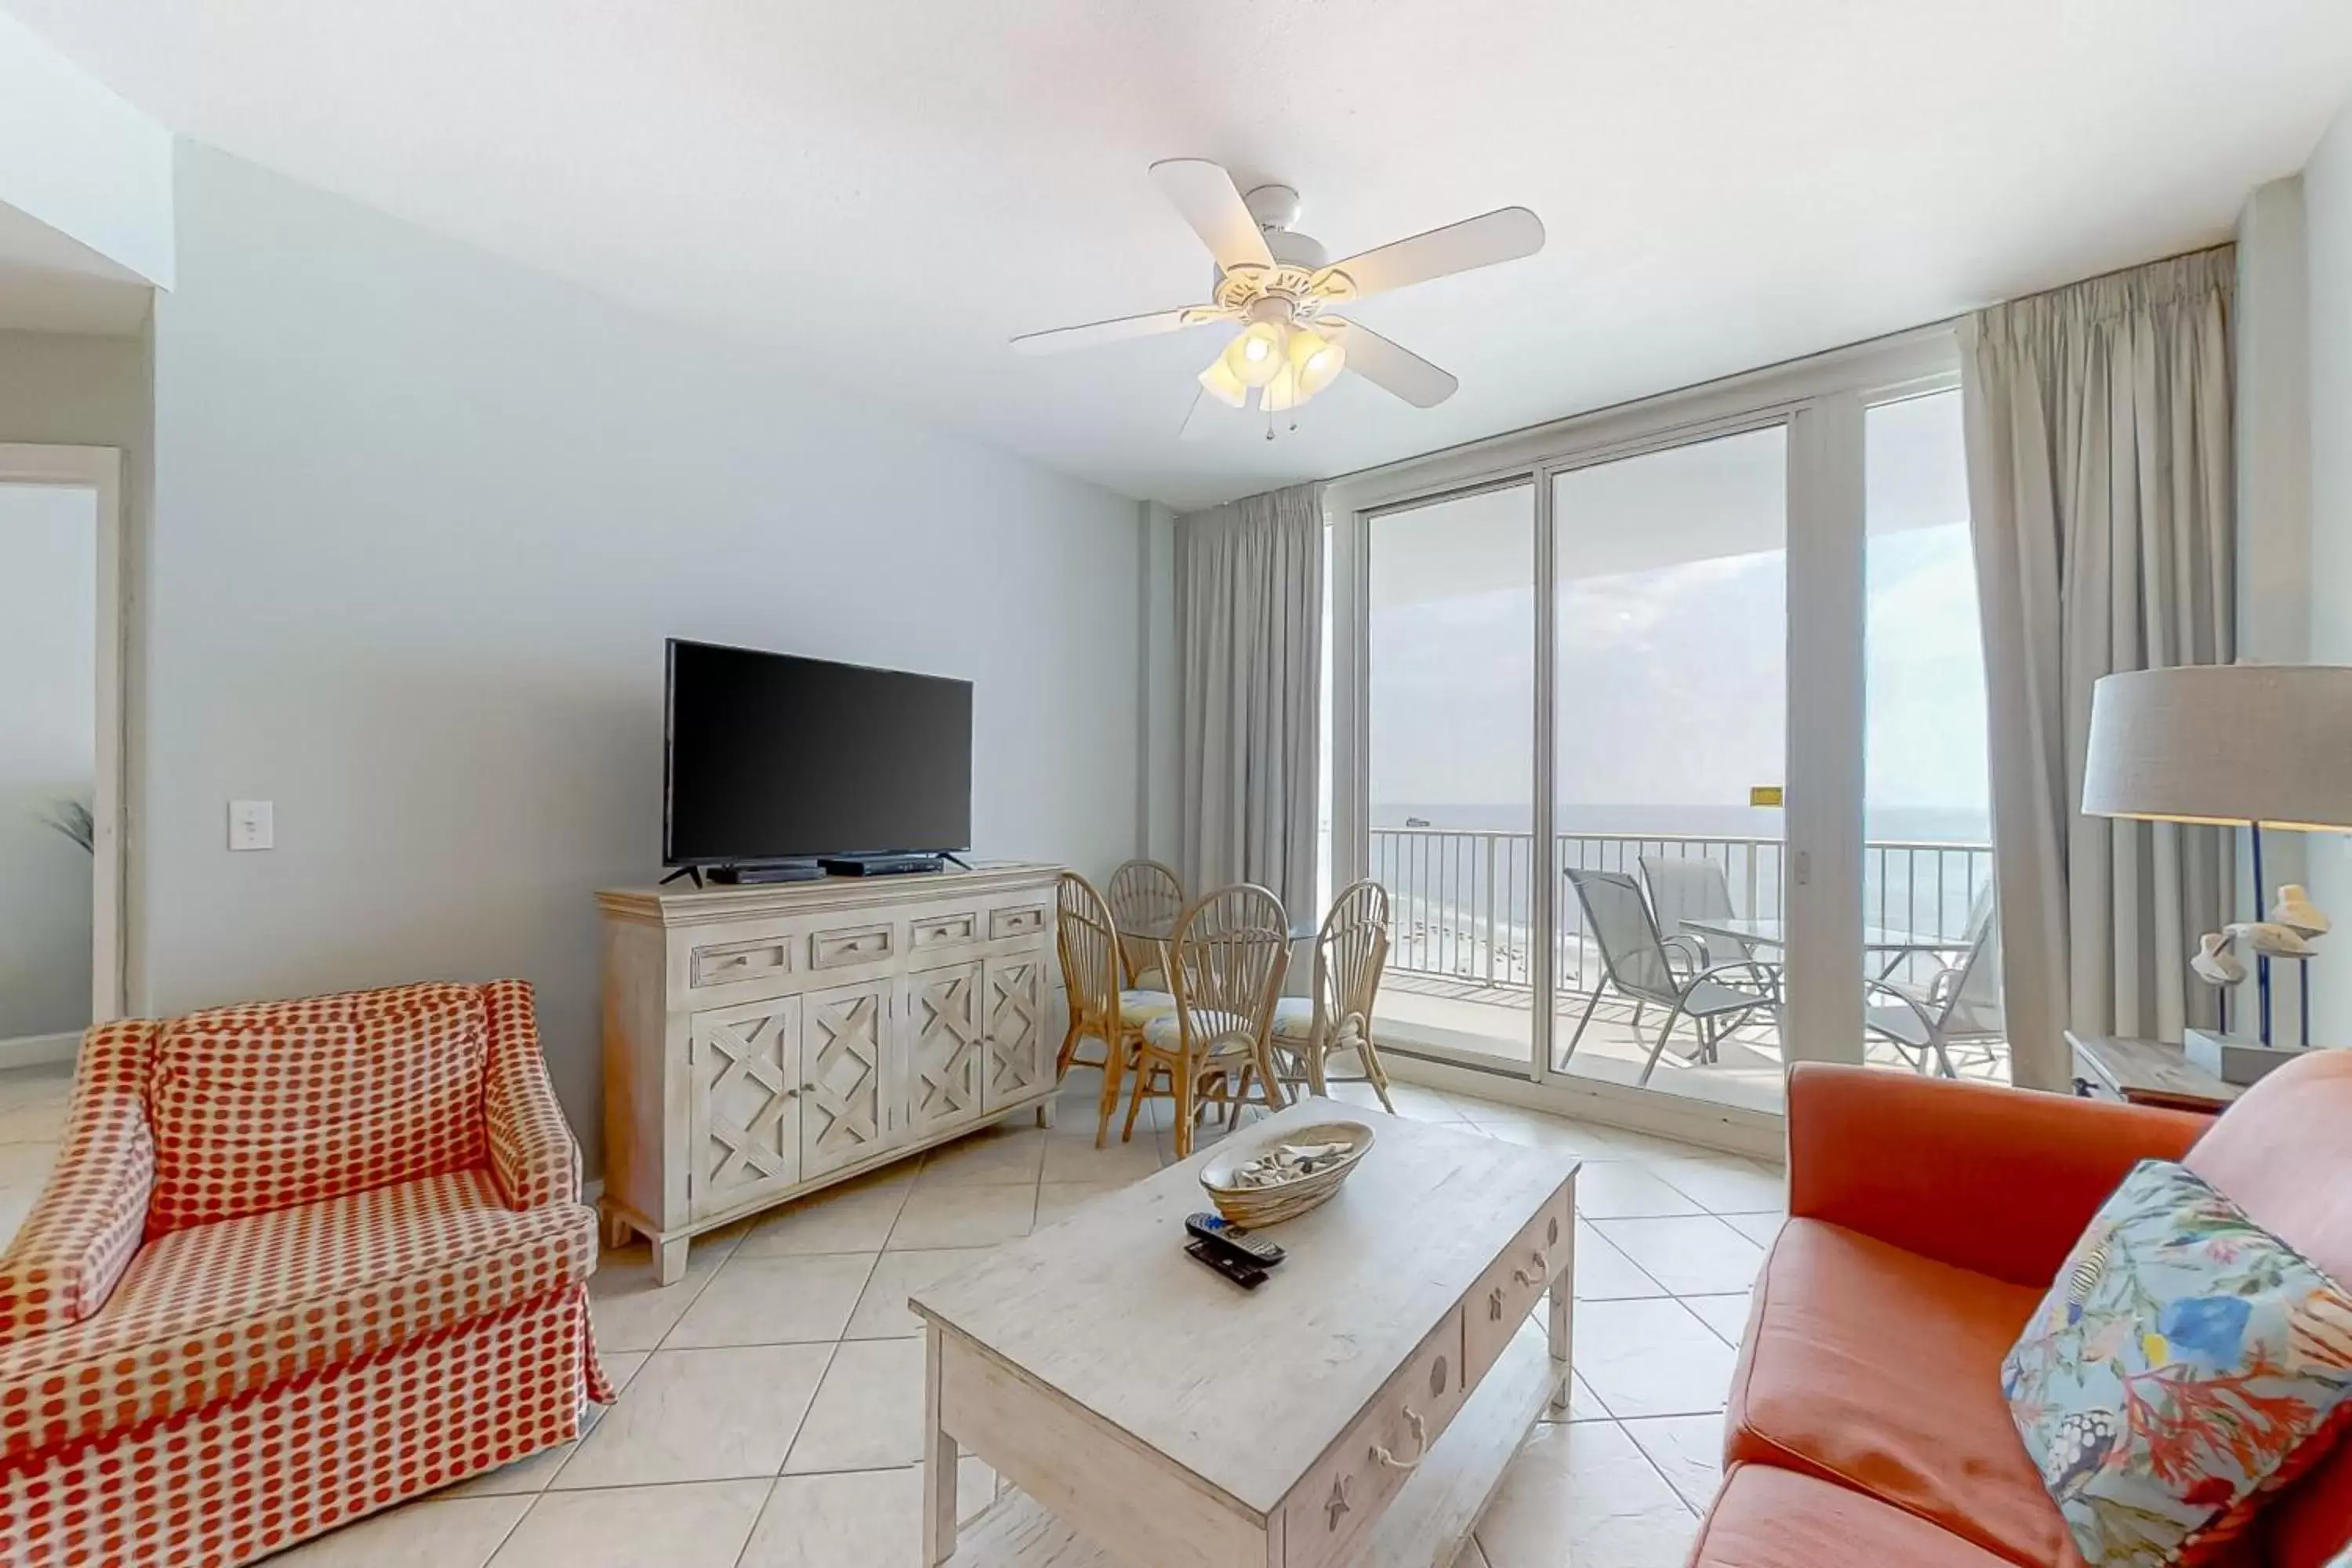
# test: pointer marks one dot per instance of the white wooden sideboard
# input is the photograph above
(761, 1042)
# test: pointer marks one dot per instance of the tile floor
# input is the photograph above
(771, 1400)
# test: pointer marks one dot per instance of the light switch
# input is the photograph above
(251, 824)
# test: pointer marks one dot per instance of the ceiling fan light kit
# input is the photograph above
(1275, 283)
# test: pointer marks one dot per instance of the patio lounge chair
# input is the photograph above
(1961, 1002)
(1633, 955)
(1690, 888)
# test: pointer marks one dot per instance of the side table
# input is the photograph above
(2145, 1072)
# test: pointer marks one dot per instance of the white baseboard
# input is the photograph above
(40, 1051)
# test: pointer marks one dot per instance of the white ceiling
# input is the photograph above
(895, 187)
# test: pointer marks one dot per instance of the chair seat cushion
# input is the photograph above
(273, 1104)
(1137, 1008)
(1880, 1369)
(217, 1310)
(1207, 1025)
(1294, 1018)
(1766, 1517)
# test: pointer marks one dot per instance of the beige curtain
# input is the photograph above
(1249, 630)
(2100, 486)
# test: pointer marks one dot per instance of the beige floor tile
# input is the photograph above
(1008, 1154)
(1583, 1493)
(433, 1532)
(881, 1312)
(869, 1414)
(1077, 1159)
(699, 1526)
(963, 1217)
(855, 1519)
(1473, 1556)
(1534, 1130)
(1650, 1358)
(1414, 1102)
(855, 1217)
(775, 1301)
(1763, 1229)
(32, 1120)
(532, 1475)
(1695, 1255)
(630, 1311)
(1620, 1189)
(1605, 1274)
(1726, 1315)
(1687, 1450)
(701, 1415)
(1584, 1405)
(1059, 1200)
(1724, 1184)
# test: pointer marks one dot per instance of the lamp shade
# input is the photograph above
(2230, 743)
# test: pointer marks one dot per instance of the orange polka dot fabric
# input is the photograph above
(338, 1310)
(228, 1484)
(278, 1103)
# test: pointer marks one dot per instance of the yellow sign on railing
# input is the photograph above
(1764, 794)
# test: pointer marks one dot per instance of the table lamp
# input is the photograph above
(2257, 746)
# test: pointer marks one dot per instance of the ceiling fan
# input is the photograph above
(1278, 284)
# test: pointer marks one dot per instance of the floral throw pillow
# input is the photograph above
(2185, 1363)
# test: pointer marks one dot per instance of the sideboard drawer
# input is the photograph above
(943, 931)
(1028, 919)
(737, 961)
(1508, 1291)
(853, 945)
(1347, 1488)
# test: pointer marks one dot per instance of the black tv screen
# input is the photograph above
(773, 756)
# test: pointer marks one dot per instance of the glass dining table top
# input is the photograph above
(1165, 931)
(1769, 933)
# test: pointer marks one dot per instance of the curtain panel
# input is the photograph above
(2100, 487)
(1249, 628)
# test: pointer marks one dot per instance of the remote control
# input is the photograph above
(1232, 1265)
(1218, 1231)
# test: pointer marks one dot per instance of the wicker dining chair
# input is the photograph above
(1227, 961)
(1091, 971)
(1351, 952)
(1145, 899)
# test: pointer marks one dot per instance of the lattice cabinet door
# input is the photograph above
(843, 1081)
(1020, 1054)
(745, 1110)
(945, 1055)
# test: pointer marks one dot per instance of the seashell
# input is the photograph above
(2295, 911)
(2215, 965)
(2273, 938)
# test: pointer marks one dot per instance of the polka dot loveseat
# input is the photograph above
(297, 1262)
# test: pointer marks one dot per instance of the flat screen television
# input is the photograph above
(775, 757)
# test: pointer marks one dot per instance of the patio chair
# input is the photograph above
(1959, 1004)
(1691, 888)
(1633, 957)
(1145, 899)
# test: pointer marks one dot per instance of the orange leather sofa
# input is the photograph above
(1926, 1220)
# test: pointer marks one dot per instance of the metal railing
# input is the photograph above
(1460, 901)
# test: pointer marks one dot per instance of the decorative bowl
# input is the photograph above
(1285, 1196)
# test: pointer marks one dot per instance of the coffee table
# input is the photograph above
(1360, 1407)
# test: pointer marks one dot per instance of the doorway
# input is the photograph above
(61, 907)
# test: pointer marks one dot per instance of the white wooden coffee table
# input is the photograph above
(1360, 1407)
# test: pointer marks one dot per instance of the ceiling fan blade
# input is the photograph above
(1210, 201)
(1393, 369)
(1503, 236)
(1118, 330)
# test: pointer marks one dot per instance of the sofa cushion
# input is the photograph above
(215, 1310)
(1880, 1369)
(1766, 1517)
(2179, 1364)
(279, 1103)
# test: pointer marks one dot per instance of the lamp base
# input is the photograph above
(2235, 1060)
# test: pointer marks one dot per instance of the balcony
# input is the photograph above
(1461, 975)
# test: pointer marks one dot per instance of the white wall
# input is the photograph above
(2328, 216)
(423, 520)
(48, 742)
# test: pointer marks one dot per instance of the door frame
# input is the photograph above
(1819, 402)
(98, 469)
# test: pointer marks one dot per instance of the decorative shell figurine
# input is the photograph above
(2272, 937)
(2295, 911)
(2215, 964)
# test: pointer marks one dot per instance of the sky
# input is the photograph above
(1671, 638)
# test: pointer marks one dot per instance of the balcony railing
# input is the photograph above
(1461, 901)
